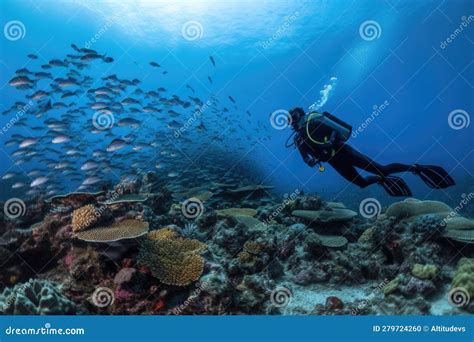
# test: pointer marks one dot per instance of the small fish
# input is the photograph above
(91, 180)
(9, 175)
(21, 81)
(32, 56)
(212, 60)
(154, 64)
(210, 79)
(89, 165)
(28, 142)
(39, 181)
(18, 185)
(129, 122)
(231, 99)
(116, 145)
(59, 139)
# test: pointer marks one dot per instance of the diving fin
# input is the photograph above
(395, 186)
(434, 176)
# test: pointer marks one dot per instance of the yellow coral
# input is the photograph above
(84, 217)
(464, 276)
(164, 233)
(172, 259)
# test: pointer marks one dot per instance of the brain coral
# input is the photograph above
(172, 259)
(84, 217)
(36, 297)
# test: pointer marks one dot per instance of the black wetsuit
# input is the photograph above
(344, 159)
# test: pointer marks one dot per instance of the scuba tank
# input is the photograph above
(319, 127)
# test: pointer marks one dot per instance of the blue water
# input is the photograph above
(273, 55)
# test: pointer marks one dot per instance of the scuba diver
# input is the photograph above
(321, 137)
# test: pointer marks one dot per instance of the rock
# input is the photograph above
(412, 208)
(237, 212)
(325, 216)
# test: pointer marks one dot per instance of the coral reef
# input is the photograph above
(244, 254)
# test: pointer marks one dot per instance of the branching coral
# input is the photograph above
(84, 217)
(172, 259)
